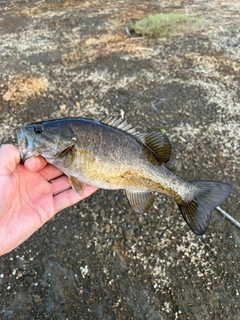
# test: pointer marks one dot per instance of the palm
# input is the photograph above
(30, 199)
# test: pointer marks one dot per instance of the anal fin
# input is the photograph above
(77, 185)
(140, 201)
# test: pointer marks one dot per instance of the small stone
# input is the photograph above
(31, 272)
(94, 227)
(126, 217)
(107, 228)
(153, 240)
(37, 298)
(20, 263)
(112, 203)
(7, 96)
(44, 284)
(102, 213)
(62, 107)
(98, 248)
(128, 234)
(96, 208)
(29, 279)
(109, 243)
(120, 231)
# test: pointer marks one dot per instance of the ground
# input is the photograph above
(99, 259)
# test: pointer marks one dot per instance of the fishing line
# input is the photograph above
(225, 214)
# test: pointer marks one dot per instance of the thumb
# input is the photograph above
(35, 163)
(9, 158)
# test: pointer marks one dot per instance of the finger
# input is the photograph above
(9, 158)
(60, 184)
(35, 163)
(70, 197)
(50, 172)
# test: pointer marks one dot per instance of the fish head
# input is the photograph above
(50, 139)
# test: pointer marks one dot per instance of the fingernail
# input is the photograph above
(33, 164)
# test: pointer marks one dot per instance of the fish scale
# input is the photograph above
(111, 154)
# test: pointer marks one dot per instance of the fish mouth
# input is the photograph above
(28, 153)
(25, 145)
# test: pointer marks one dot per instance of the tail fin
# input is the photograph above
(207, 196)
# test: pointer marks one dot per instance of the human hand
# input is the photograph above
(31, 194)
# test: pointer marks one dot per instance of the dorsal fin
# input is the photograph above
(122, 124)
(156, 141)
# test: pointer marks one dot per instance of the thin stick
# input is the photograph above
(225, 214)
(148, 49)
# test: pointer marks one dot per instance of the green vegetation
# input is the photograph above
(164, 25)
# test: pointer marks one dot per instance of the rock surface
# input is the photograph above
(98, 259)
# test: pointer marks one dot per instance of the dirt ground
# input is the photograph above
(98, 259)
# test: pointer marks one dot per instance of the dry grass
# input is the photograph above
(105, 45)
(45, 9)
(215, 64)
(23, 87)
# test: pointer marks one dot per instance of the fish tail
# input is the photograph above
(207, 196)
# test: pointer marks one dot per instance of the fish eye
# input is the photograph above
(38, 129)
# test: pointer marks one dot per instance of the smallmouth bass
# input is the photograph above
(111, 154)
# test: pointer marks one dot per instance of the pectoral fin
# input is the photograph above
(77, 185)
(68, 159)
(67, 155)
(140, 201)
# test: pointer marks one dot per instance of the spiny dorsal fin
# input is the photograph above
(140, 201)
(159, 144)
(156, 141)
(122, 124)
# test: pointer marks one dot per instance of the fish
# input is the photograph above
(112, 154)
